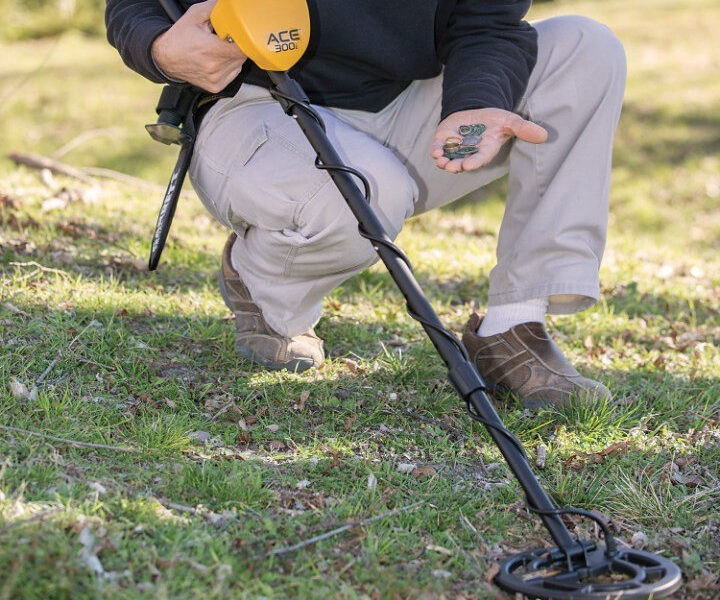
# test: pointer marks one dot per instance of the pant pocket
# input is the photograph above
(271, 179)
(217, 155)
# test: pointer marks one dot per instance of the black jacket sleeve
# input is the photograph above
(132, 26)
(488, 52)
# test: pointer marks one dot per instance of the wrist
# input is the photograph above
(159, 55)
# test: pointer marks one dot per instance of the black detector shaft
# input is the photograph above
(168, 131)
(462, 373)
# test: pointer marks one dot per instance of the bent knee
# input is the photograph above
(589, 42)
(393, 191)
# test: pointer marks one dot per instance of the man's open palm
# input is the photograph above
(500, 125)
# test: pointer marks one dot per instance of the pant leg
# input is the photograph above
(554, 229)
(553, 232)
(297, 239)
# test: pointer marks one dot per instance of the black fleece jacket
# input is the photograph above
(363, 53)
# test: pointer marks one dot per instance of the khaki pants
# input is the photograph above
(297, 239)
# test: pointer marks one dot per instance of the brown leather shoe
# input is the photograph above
(255, 340)
(525, 361)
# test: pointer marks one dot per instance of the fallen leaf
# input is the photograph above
(20, 391)
(276, 446)
(128, 262)
(197, 566)
(303, 398)
(426, 472)
(406, 467)
(492, 572)
(214, 403)
(87, 540)
(222, 573)
(165, 563)
(301, 485)
(541, 456)
(351, 365)
(372, 481)
(439, 549)
(199, 436)
(47, 178)
(619, 448)
(92, 195)
(272, 427)
(93, 399)
(7, 201)
(697, 585)
(98, 487)
(54, 203)
(396, 341)
(639, 540)
(666, 271)
(696, 272)
(14, 309)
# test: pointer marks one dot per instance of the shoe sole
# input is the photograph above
(296, 365)
(582, 396)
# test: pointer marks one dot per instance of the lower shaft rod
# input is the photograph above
(471, 385)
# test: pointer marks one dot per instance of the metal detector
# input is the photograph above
(274, 34)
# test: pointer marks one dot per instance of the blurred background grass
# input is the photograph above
(33, 19)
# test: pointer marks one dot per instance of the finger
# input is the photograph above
(200, 12)
(451, 166)
(481, 158)
(436, 151)
(441, 162)
(441, 136)
(230, 77)
(454, 166)
(527, 130)
(226, 49)
(231, 50)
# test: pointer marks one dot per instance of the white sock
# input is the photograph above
(502, 317)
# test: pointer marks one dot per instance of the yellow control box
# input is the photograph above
(274, 34)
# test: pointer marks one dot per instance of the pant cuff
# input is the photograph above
(585, 296)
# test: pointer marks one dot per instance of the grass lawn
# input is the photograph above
(227, 464)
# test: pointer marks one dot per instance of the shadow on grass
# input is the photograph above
(350, 426)
(675, 138)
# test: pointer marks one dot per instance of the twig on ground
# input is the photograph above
(430, 421)
(80, 139)
(87, 361)
(85, 174)
(59, 354)
(223, 410)
(179, 507)
(122, 177)
(217, 519)
(36, 161)
(37, 265)
(54, 438)
(36, 517)
(339, 530)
